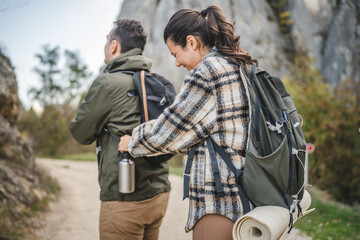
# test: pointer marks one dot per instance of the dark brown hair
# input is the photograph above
(211, 27)
(129, 33)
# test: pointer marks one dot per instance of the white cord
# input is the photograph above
(295, 152)
(301, 119)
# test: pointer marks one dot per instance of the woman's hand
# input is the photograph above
(124, 143)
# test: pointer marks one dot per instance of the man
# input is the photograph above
(109, 112)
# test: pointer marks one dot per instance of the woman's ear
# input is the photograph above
(192, 42)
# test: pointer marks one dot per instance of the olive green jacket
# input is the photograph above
(108, 106)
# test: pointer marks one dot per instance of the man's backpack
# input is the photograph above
(273, 174)
(155, 94)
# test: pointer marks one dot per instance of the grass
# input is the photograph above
(330, 221)
(174, 168)
(91, 157)
(178, 171)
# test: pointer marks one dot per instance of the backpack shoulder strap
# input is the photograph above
(237, 172)
(144, 99)
(215, 167)
(187, 172)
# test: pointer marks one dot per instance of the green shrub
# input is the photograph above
(48, 133)
(331, 123)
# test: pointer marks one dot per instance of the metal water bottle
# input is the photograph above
(126, 174)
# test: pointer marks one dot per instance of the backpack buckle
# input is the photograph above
(98, 149)
(279, 125)
(163, 101)
(293, 206)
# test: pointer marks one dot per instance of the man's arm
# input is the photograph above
(92, 114)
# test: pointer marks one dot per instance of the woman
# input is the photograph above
(212, 103)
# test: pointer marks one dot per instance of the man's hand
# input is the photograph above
(124, 143)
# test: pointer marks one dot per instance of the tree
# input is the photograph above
(73, 77)
(49, 132)
(77, 73)
(50, 91)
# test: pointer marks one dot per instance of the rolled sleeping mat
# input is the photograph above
(268, 222)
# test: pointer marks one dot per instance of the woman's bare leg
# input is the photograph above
(213, 227)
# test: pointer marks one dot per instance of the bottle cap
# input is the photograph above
(126, 155)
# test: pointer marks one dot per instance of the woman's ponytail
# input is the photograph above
(211, 27)
(226, 42)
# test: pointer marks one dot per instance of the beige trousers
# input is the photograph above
(213, 227)
(132, 220)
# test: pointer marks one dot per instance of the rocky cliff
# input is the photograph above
(326, 30)
(19, 178)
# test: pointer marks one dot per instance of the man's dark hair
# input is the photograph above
(129, 33)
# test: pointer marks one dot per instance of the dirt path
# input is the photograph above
(75, 215)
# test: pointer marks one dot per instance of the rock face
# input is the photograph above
(326, 30)
(19, 181)
(329, 31)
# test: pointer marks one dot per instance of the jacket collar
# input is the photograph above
(128, 61)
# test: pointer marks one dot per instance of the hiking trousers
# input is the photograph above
(132, 220)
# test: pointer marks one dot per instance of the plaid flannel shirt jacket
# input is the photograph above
(212, 102)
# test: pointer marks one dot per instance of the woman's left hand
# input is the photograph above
(124, 143)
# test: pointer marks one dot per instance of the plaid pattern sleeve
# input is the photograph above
(190, 119)
(212, 102)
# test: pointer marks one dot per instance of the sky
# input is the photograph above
(76, 25)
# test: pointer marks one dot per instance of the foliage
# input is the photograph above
(48, 72)
(330, 221)
(86, 156)
(284, 19)
(77, 73)
(176, 161)
(59, 86)
(48, 133)
(54, 128)
(59, 94)
(331, 123)
(177, 171)
(29, 125)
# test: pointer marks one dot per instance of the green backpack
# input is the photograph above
(273, 174)
(275, 156)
